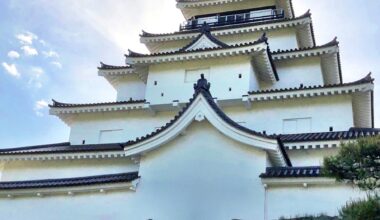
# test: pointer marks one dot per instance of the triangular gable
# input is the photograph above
(205, 40)
(202, 107)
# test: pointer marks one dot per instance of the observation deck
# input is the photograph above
(230, 18)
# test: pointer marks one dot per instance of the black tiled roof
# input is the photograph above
(70, 182)
(62, 148)
(68, 105)
(353, 133)
(334, 42)
(306, 15)
(111, 67)
(181, 51)
(205, 31)
(366, 79)
(292, 172)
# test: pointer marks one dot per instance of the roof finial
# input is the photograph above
(205, 28)
(264, 38)
(202, 84)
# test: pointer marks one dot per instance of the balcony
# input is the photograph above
(239, 18)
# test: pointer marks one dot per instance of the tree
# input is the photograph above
(357, 162)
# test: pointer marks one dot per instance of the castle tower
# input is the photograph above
(227, 118)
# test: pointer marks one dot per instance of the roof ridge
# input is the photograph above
(70, 182)
(366, 79)
(333, 42)
(262, 39)
(104, 66)
(204, 31)
(57, 104)
(35, 147)
(352, 133)
(292, 172)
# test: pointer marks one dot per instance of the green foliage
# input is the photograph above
(309, 217)
(362, 209)
(357, 162)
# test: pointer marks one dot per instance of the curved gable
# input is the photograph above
(200, 108)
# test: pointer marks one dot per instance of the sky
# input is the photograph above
(50, 49)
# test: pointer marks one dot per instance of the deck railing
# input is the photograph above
(217, 20)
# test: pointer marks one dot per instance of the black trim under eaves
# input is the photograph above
(284, 153)
(235, 12)
(292, 8)
(272, 64)
(340, 68)
(373, 108)
(313, 34)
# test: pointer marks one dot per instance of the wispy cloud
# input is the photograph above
(26, 38)
(38, 71)
(50, 53)
(13, 54)
(11, 69)
(39, 107)
(35, 78)
(56, 64)
(43, 42)
(29, 51)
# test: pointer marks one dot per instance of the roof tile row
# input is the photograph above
(70, 182)
(292, 172)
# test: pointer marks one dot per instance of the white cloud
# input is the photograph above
(50, 53)
(35, 78)
(38, 71)
(43, 42)
(13, 54)
(26, 38)
(40, 106)
(29, 51)
(11, 69)
(56, 64)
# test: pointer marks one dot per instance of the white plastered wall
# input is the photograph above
(197, 179)
(223, 75)
(324, 112)
(278, 39)
(127, 125)
(314, 200)
(294, 72)
(310, 157)
(56, 169)
(130, 87)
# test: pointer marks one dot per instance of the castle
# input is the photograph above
(228, 118)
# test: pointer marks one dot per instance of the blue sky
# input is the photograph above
(51, 48)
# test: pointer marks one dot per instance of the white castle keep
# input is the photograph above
(228, 118)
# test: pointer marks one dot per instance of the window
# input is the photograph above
(296, 125)
(192, 76)
(110, 136)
